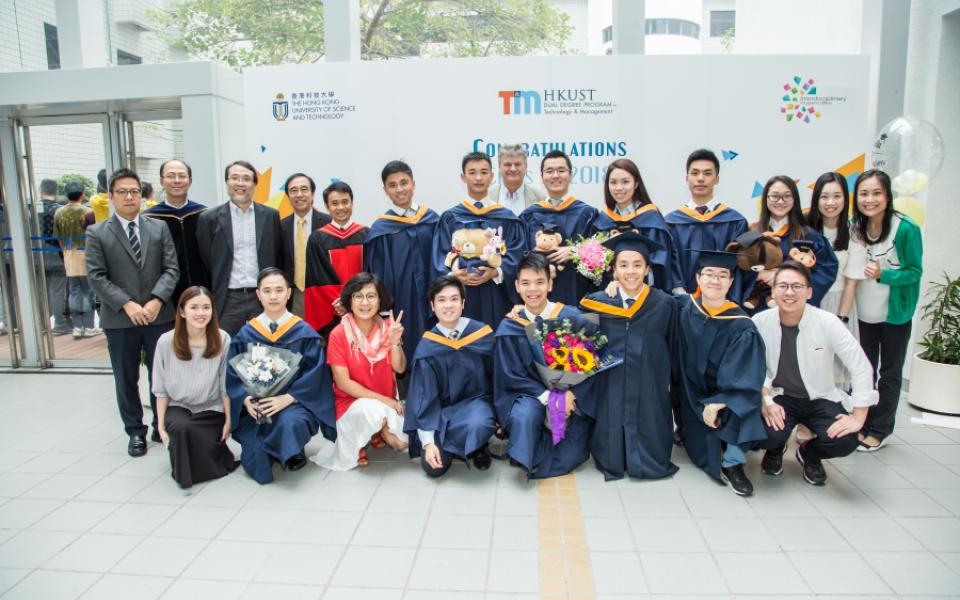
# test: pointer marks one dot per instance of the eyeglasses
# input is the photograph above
(780, 198)
(717, 276)
(796, 287)
(371, 297)
(240, 179)
(551, 172)
(123, 192)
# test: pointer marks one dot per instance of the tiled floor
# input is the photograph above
(78, 518)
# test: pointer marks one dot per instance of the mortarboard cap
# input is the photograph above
(715, 258)
(631, 240)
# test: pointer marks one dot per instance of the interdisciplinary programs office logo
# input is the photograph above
(556, 101)
(281, 108)
(801, 101)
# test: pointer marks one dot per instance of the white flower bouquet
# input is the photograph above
(264, 371)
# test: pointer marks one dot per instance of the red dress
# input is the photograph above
(379, 379)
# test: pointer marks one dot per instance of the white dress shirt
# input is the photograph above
(513, 201)
(409, 212)
(427, 437)
(243, 274)
(821, 336)
(711, 206)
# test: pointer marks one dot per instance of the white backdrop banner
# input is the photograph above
(762, 115)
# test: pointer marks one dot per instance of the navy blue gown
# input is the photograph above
(633, 433)
(450, 391)
(517, 387)
(720, 359)
(292, 427)
(824, 273)
(648, 221)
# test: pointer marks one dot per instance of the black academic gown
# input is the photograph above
(648, 221)
(182, 223)
(720, 359)
(710, 231)
(517, 388)
(292, 427)
(334, 255)
(450, 390)
(633, 433)
(489, 302)
(398, 250)
(572, 218)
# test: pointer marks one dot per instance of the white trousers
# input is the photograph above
(354, 430)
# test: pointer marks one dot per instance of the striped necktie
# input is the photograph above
(134, 240)
(454, 335)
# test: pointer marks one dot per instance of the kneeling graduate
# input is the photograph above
(449, 405)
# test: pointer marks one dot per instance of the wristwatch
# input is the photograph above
(843, 319)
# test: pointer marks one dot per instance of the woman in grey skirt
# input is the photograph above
(193, 410)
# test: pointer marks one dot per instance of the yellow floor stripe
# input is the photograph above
(565, 571)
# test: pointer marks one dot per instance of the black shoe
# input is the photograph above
(155, 437)
(772, 463)
(737, 479)
(481, 459)
(297, 462)
(137, 446)
(813, 471)
(678, 436)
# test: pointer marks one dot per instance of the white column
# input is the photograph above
(341, 30)
(629, 26)
(81, 34)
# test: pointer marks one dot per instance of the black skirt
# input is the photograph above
(196, 452)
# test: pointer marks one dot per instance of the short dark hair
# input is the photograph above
(286, 184)
(48, 187)
(122, 173)
(704, 154)
(395, 166)
(472, 157)
(337, 186)
(75, 194)
(815, 218)
(357, 283)
(534, 261)
(445, 281)
(556, 154)
(146, 189)
(859, 219)
(245, 165)
(179, 160)
(792, 265)
(640, 195)
(269, 271)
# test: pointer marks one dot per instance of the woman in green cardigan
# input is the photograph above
(887, 297)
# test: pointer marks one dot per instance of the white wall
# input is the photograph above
(787, 27)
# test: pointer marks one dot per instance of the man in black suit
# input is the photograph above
(132, 267)
(236, 240)
(296, 230)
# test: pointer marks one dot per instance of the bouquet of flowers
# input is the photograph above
(590, 257)
(264, 371)
(568, 353)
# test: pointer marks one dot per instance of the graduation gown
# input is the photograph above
(398, 250)
(333, 257)
(516, 391)
(720, 359)
(182, 223)
(824, 273)
(710, 231)
(648, 221)
(450, 390)
(292, 427)
(489, 302)
(573, 218)
(633, 433)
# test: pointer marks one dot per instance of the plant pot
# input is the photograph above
(934, 387)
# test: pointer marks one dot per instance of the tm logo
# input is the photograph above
(520, 102)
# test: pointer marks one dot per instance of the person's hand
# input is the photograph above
(274, 404)
(872, 270)
(431, 456)
(486, 274)
(136, 313)
(773, 415)
(152, 308)
(338, 307)
(461, 274)
(164, 437)
(560, 255)
(516, 312)
(395, 329)
(613, 288)
(251, 407)
(767, 275)
(844, 425)
(227, 427)
(571, 403)
(710, 412)
(394, 404)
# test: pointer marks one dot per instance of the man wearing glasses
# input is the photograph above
(237, 240)
(132, 267)
(801, 342)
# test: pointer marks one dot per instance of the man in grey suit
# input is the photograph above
(513, 192)
(236, 240)
(132, 266)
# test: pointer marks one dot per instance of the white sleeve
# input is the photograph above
(856, 261)
(848, 350)
(426, 437)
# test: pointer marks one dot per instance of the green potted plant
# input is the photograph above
(935, 371)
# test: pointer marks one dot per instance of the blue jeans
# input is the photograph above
(81, 302)
(735, 454)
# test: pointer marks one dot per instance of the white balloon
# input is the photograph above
(910, 149)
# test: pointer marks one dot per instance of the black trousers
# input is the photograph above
(818, 415)
(241, 306)
(196, 452)
(886, 348)
(446, 459)
(126, 346)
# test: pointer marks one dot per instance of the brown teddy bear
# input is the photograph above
(802, 252)
(547, 240)
(467, 251)
(757, 252)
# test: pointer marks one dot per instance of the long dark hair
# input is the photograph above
(181, 339)
(860, 220)
(640, 195)
(796, 225)
(815, 219)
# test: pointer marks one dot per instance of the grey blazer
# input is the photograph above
(531, 194)
(117, 277)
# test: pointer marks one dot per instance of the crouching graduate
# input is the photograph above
(296, 413)
(633, 433)
(449, 405)
(721, 366)
(518, 391)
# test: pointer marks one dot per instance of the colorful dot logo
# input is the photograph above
(798, 100)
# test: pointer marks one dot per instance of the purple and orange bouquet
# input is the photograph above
(590, 257)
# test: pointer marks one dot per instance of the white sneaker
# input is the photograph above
(77, 333)
(92, 331)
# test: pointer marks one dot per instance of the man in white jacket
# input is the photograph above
(801, 343)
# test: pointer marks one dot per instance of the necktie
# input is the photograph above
(134, 240)
(454, 335)
(478, 204)
(629, 302)
(300, 252)
(702, 210)
(539, 321)
(273, 326)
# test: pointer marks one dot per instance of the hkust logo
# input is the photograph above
(573, 101)
(281, 108)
